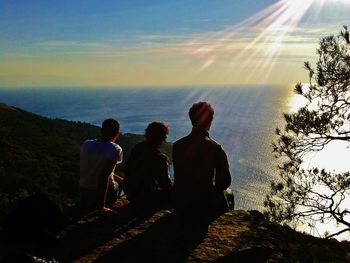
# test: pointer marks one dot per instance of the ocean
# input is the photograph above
(244, 121)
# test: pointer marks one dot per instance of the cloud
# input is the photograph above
(71, 44)
(243, 161)
(188, 44)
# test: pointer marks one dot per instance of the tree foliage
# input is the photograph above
(315, 195)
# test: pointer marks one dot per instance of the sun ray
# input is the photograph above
(252, 47)
(263, 35)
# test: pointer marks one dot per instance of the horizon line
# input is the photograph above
(147, 86)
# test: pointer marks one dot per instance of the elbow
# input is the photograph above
(224, 183)
(228, 183)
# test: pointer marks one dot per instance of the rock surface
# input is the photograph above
(238, 236)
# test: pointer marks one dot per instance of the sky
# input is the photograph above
(54, 43)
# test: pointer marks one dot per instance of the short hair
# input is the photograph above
(201, 114)
(156, 132)
(110, 128)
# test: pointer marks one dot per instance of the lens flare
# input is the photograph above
(257, 40)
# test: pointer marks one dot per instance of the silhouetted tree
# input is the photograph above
(315, 195)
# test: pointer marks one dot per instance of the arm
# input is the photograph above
(163, 173)
(106, 170)
(118, 160)
(222, 176)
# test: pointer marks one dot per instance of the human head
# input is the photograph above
(156, 133)
(110, 129)
(201, 115)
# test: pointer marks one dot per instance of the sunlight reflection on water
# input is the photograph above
(333, 158)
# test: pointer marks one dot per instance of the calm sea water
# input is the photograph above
(244, 121)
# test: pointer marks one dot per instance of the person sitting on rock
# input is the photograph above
(98, 159)
(147, 183)
(201, 170)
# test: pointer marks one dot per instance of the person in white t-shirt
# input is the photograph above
(98, 159)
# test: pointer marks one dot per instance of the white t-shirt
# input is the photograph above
(93, 154)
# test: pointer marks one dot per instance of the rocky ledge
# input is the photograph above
(237, 236)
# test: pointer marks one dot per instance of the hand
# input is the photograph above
(105, 210)
(118, 178)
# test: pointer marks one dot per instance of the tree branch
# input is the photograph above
(338, 233)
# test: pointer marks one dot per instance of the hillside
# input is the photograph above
(41, 155)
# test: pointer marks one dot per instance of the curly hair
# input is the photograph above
(156, 132)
